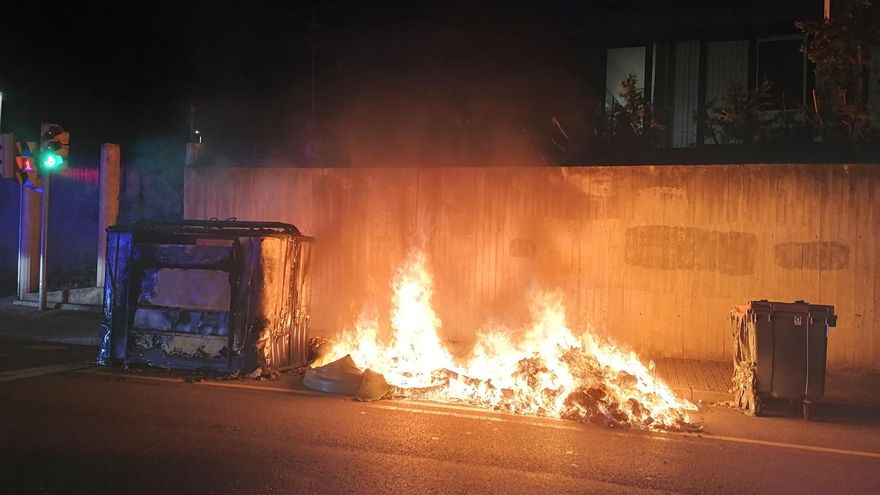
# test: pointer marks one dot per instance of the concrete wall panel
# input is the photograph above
(654, 257)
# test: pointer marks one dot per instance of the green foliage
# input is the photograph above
(633, 123)
(838, 113)
(750, 117)
(740, 116)
(840, 48)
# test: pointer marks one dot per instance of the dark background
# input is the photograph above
(464, 78)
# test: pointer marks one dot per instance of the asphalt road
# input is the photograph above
(99, 431)
(21, 354)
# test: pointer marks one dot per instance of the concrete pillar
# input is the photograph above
(29, 242)
(108, 202)
(193, 153)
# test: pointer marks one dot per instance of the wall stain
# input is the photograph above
(522, 248)
(817, 255)
(689, 248)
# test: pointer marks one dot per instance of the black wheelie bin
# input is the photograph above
(780, 351)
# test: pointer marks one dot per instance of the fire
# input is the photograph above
(548, 372)
(415, 350)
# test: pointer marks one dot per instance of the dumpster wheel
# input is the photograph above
(808, 410)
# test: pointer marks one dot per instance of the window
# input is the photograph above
(781, 63)
(621, 63)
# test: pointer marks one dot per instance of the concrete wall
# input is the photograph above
(653, 256)
(72, 230)
(9, 197)
(152, 181)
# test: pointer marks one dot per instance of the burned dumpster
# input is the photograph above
(779, 353)
(228, 296)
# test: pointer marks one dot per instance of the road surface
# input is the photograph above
(95, 430)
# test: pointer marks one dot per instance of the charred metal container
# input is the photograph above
(780, 353)
(228, 296)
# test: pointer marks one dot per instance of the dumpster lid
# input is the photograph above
(765, 306)
(229, 226)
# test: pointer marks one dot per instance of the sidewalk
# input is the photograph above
(709, 381)
(694, 380)
(58, 326)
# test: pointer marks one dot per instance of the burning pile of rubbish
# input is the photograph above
(549, 372)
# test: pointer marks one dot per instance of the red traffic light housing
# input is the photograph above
(54, 148)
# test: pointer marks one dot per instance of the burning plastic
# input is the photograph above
(373, 386)
(745, 390)
(549, 372)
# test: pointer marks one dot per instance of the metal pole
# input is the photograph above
(312, 27)
(21, 234)
(44, 231)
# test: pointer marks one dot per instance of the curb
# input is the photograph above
(57, 305)
(53, 339)
(696, 395)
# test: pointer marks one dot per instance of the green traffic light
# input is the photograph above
(51, 161)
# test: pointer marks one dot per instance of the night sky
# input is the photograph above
(120, 72)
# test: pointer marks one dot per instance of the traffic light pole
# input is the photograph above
(44, 231)
(23, 279)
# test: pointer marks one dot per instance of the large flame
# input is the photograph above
(548, 372)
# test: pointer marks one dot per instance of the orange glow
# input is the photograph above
(548, 372)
